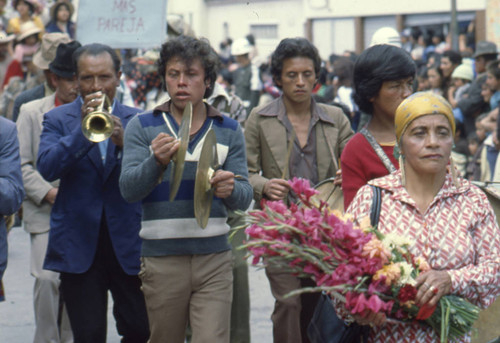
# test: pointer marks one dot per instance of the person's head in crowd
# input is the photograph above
(188, 68)
(343, 69)
(176, 26)
(449, 61)
(97, 69)
(437, 38)
(27, 43)
(473, 143)
(241, 49)
(48, 49)
(322, 76)
(433, 58)
(435, 77)
(61, 11)
(25, 8)
(481, 131)
(47, 52)
(63, 72)
(383, 77)
(485, 52)
(493, 75)
(386, 35)
(423, 114)
(405, 36)
(332, 58)
(225, 78)
(5, 40)
(423, 80)
(295, 60)
(462, 75)
(28, 34)
(486, 92)
(251, 39)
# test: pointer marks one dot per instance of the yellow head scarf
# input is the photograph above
(418, 105)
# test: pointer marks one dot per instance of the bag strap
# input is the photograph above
(378, 150)
(334, 158)
(376, 204)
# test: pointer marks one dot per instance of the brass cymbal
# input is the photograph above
(180, 155)
(203, 191)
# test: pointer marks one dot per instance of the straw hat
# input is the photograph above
(36, 5)
(48, 49)
(5, 38)
(27, 29)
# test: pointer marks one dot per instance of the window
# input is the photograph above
(269, 31)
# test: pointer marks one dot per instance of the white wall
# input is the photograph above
(356, 8)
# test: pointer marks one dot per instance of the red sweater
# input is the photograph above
(360, 164)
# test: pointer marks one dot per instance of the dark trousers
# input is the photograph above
(86, 297)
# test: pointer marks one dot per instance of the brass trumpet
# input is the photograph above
(98, 126)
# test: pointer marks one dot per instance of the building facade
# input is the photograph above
(334, 26)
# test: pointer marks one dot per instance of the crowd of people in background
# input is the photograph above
(362, 91)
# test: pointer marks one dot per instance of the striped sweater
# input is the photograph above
(169, 228)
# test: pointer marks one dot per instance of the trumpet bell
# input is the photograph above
(97, 126)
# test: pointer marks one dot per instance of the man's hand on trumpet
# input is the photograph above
(91, 103)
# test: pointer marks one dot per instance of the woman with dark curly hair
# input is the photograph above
(383, 78)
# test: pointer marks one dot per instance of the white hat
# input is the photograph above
(4, 38)
(463, 71)
(27, 29)
(386, 35)
(240, 46)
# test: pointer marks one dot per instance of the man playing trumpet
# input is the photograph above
(93, 240)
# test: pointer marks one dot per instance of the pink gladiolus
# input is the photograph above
(278, 207)
(377, 305)
(303, 189)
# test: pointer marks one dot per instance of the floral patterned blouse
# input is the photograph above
(458, 233)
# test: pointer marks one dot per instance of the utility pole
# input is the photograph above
(454, 26)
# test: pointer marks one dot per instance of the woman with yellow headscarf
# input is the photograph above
(450, 220)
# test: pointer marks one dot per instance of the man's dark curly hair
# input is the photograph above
(290, 48)
(189, 49)
(376, 65)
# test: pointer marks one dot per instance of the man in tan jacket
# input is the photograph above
(319, 134)
(41, 196)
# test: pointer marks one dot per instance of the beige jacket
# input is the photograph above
(266, 143)
(36, 211)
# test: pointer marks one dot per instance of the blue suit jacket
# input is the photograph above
(87, 190)
(11, 182)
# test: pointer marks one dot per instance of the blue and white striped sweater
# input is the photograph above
(170, 227)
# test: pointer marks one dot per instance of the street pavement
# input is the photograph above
(16, 313)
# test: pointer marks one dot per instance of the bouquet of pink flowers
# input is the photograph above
(356, 264)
